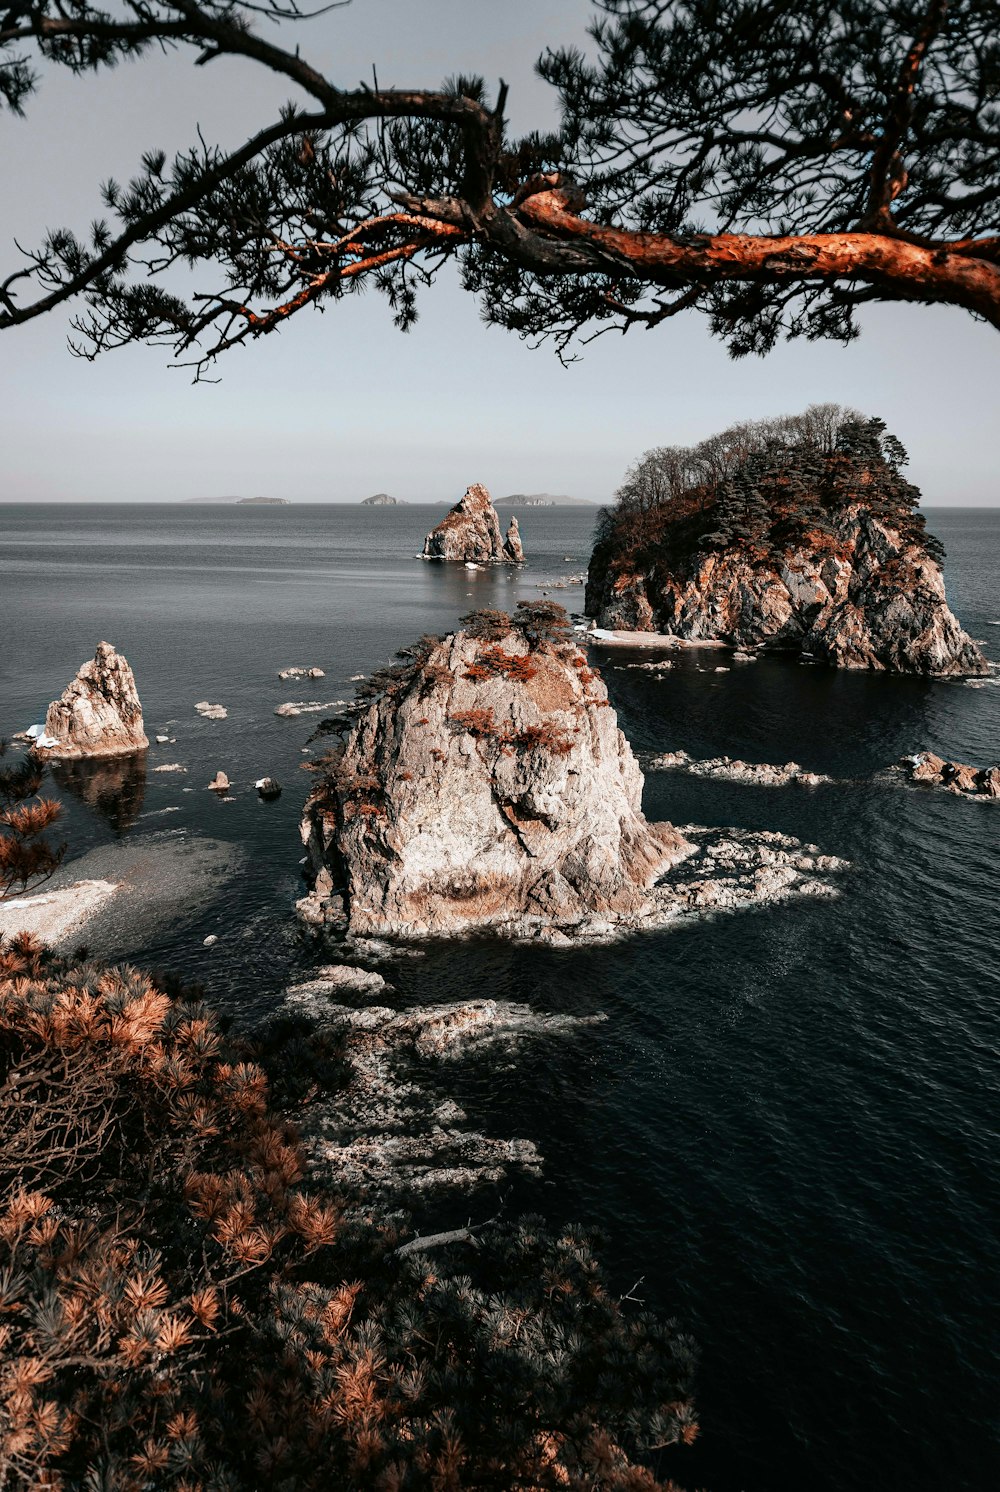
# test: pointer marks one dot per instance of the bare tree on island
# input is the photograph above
(774, 167)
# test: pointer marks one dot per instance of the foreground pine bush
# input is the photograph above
(180, 1309)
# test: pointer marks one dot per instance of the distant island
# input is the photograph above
(382, 500)
(268, 502)
(541, 500)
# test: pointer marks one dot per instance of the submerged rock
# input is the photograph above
(98, 714)
(395, 1128)
(957, 777)
(470, 532)
(486, 785)
(764, 774)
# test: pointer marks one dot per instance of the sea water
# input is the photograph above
(787, 1125)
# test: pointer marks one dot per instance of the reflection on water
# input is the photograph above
(115, 787)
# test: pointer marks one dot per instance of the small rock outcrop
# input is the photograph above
(732, 769)
(470, 532)
(485, 784)
(513, 549)
(98, 714)
(956, 777)
(798, 535)
(220, 783)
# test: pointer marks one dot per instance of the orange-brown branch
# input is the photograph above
(904, 270)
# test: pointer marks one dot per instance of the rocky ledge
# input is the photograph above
(485, 784)
(98, 714)
(470, 531)
(787, 539)
(956, 777)
(732, 769)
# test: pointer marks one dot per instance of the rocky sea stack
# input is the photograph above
(99, 713)
(484, 784)
(798, 534)
(470, 531)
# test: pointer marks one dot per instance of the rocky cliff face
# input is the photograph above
(470, 531)
(858, 594)
(486, 784)
(99, 713)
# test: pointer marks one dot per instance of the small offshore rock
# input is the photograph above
(764, 774)
(338, 979)
(470, 533)
(211, 712)
(98, 713)
(957, 777)
(171, 767)
(210, 941)
(163, 740)
(268, 788)
(220, 783)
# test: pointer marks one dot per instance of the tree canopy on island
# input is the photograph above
(763, 487)
(774, 166)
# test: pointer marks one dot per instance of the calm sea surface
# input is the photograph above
(788, 1124)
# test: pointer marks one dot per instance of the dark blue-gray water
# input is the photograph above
(787, 1126)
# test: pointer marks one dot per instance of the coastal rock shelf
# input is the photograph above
(395, 1129)
(97, 715)
(485, 785)
(732, 769)
(955, 777)
(470, 532)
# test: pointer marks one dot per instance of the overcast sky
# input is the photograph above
(338, 406)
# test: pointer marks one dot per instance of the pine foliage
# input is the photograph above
(762, 488)
(27, 856)
(181, 1308)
